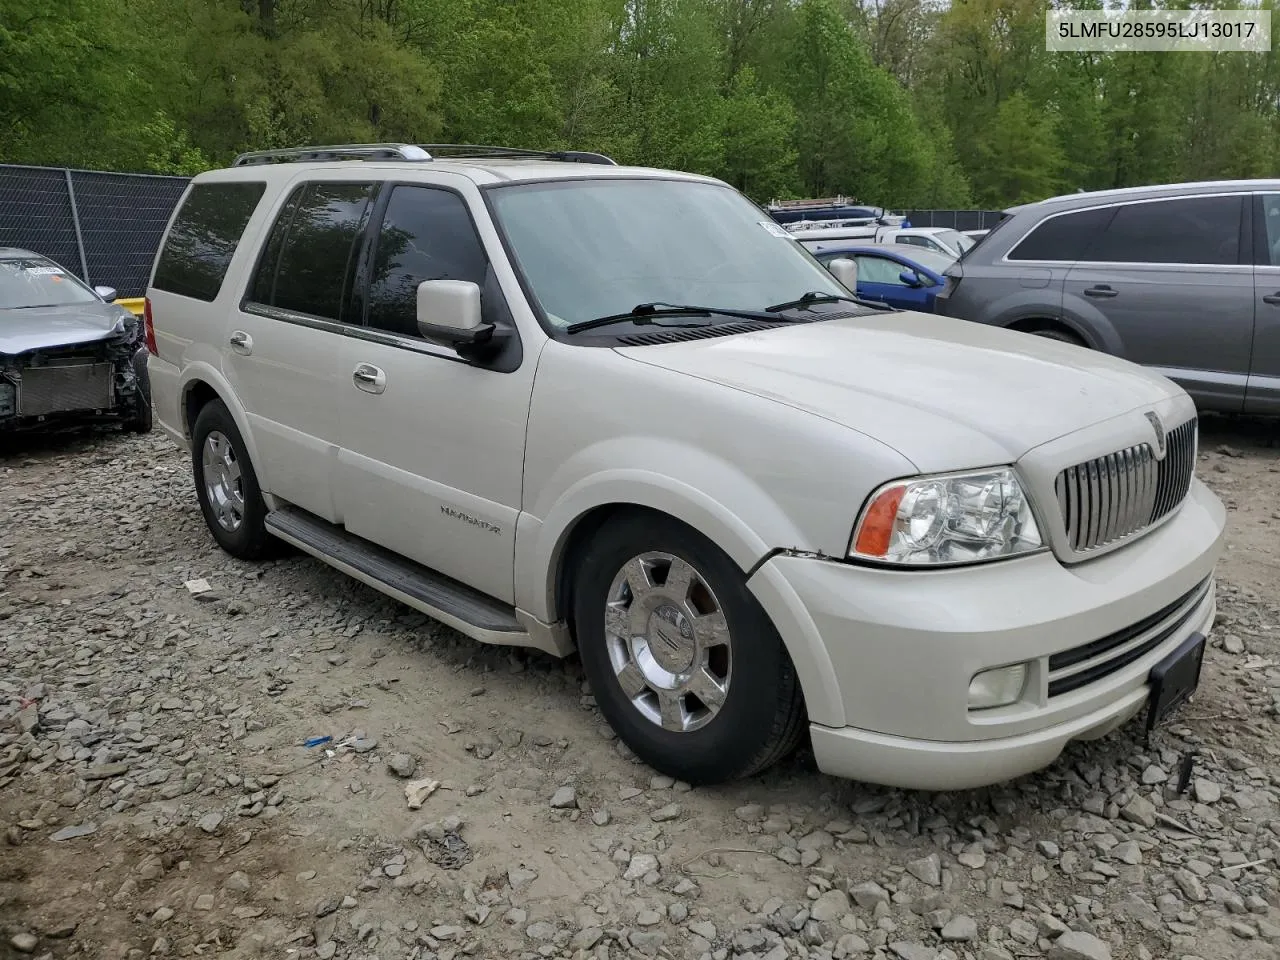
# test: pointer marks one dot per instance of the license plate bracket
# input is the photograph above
(1174, 679)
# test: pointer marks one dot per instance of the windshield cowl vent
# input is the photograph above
(691, 333)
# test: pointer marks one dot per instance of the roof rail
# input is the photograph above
(346, 151)
(484, 150)
(410, 151)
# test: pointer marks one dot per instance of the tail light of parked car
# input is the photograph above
(149, 328)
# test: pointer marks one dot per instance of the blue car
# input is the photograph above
(909, 279)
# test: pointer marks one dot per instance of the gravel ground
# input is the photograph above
(157, 798)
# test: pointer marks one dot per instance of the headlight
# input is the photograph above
(957, 518)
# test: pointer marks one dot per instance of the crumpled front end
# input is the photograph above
(98, 380)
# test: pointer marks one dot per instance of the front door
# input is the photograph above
(1171, 281)
(432, 446)
(282, 352)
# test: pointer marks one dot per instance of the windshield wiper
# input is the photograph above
(646, 313)
(815, 296)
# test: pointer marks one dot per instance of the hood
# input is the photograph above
(947, 394)
(34, 328)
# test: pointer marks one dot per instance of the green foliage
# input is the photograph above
(906, 103)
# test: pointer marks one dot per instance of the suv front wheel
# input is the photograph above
(226, 485)
(684, 663)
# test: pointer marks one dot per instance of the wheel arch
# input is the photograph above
(750, 554)
(1035, 324)
(201, 384)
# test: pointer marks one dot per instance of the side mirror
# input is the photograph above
(106, 293)
(910, 278)
(449, 314)
(846, 272)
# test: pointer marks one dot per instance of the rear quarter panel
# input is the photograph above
(190, 333)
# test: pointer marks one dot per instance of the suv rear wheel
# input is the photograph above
(226, 485)
(685, 664)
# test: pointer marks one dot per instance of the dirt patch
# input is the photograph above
(170, 729)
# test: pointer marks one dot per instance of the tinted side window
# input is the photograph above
(204, 236)
(1065, 237)
(1267, 239)
(426, 234)
(1196, 230)
(263, 287)
(320, 242)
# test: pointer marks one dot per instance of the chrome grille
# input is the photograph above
(64, 387)
(1113, 497)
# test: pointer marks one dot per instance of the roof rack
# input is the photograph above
(840, 201)
(409, 151)
(482, 150)
(347, 151)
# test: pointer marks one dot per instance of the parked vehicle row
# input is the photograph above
(621, 411)
(951, 243)
(841, 211)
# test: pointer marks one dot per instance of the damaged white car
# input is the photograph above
(67, 353)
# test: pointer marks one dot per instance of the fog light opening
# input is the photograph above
(997, 688)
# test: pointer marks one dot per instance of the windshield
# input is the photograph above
(954, 239)
(37, 282)
(929, 259)
(593, 248)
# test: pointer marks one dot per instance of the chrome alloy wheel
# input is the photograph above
(222, 484)
(668, 642)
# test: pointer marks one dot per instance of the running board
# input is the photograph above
(464, 608)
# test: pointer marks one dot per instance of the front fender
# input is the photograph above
(677, 487)
(540, 547)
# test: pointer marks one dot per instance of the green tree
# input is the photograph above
(1022, 158)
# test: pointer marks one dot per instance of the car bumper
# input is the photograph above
(91, 383)
(166, 397)
(886, 657)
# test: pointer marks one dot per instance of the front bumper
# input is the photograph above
(72, 383)
(886, 657)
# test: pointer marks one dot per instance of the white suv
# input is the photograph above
(560, 403)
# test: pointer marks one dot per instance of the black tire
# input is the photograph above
(141, 418)
(249, 539)
(761, 718)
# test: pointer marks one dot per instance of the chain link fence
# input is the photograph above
(954, 219)
(103, 227)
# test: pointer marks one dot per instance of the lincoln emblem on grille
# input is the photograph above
(1159, 429)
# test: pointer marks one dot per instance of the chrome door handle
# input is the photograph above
(241, 342)
(1272, 298)
(369, 378)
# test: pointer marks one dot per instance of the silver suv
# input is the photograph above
(1182, 278)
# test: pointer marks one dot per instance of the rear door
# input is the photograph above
(282, 352)
(1168, 283)
(1262, 395)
